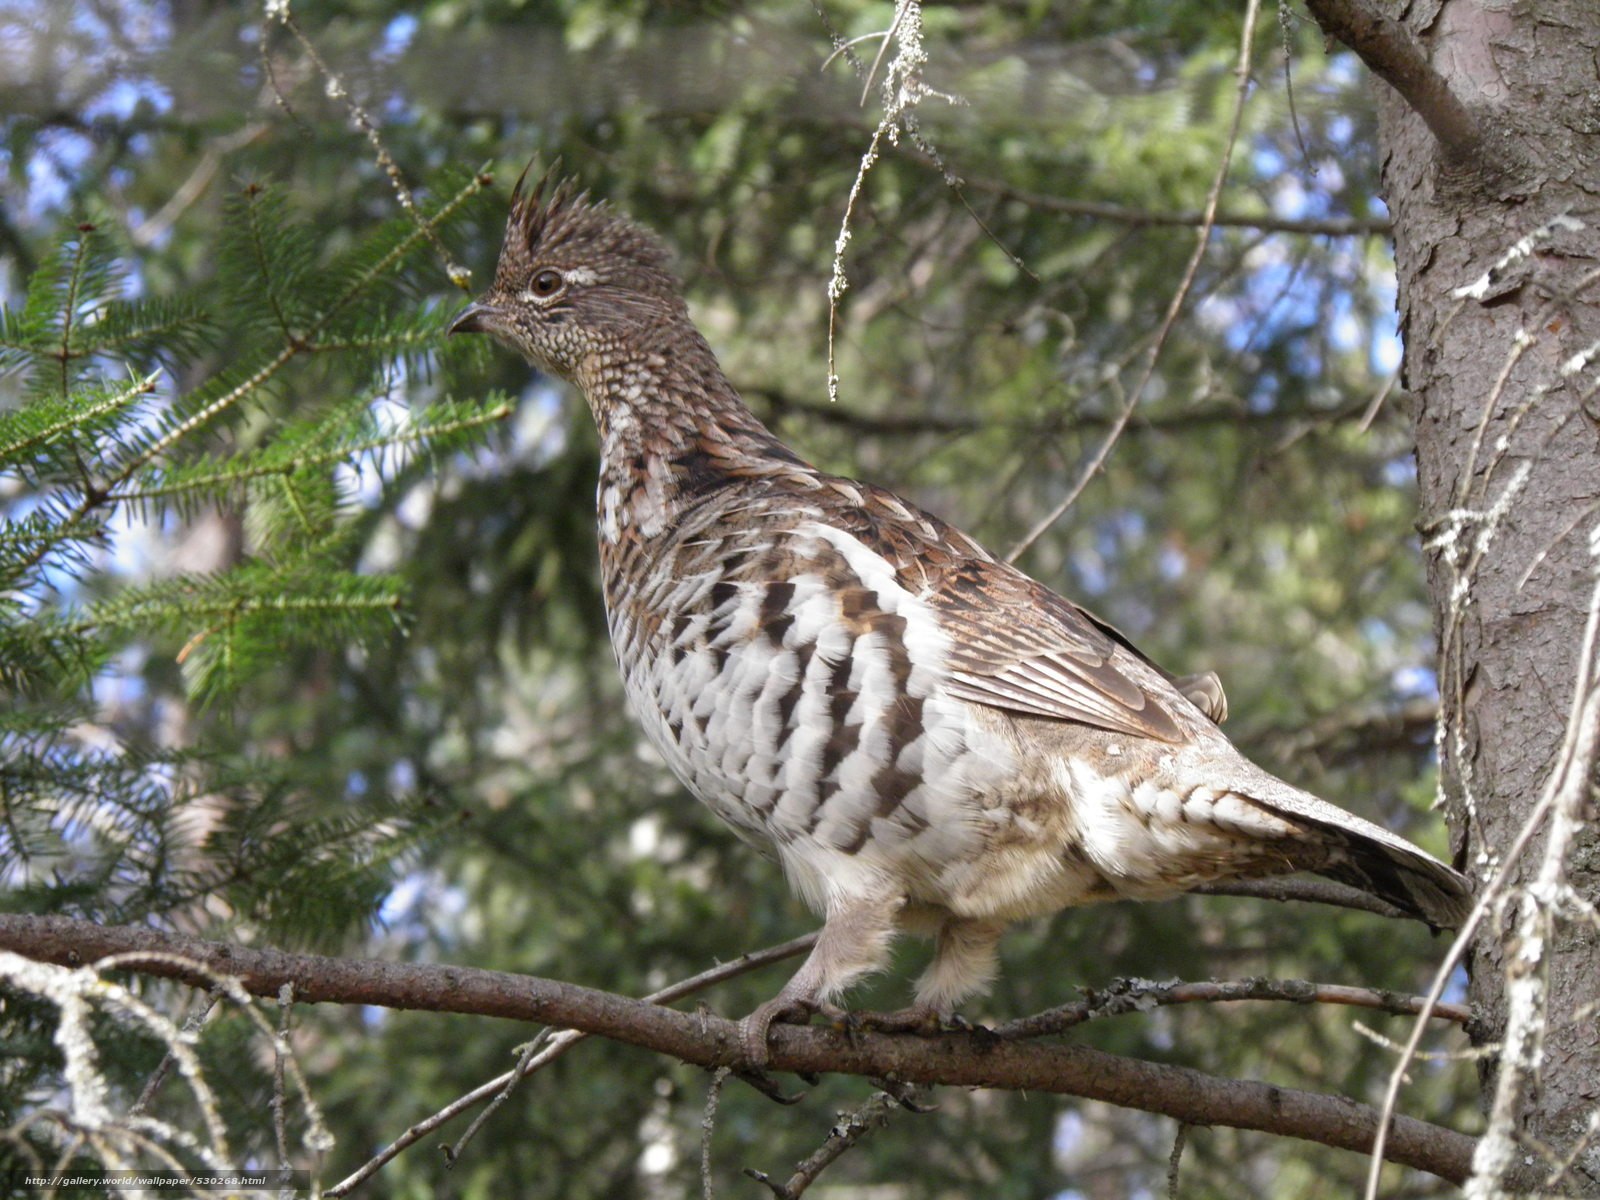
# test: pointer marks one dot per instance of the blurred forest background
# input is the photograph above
(316, 659)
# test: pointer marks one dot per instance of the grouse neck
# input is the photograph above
(672, 431)
(670, 403)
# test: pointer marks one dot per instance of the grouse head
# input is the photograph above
(578, 286)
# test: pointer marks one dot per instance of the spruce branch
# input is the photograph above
(35, 427)
(78, 445)
(209, 478)
(164, 327)
(303, 339)
(69, 309)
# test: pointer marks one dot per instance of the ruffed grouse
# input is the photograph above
(925, 738)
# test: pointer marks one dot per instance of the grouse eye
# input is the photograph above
(547, 283)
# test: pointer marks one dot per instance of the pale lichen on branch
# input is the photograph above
(903, 90)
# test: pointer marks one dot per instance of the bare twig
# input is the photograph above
(883, 47)
(497, 1090)
(913, 129)
(1286, 32)
(336, 88)
(1464, 1054)
(193, 1025)
(1386, 46)
(280, 1051)
(911, 424)
(1341, 734)
(543, 1041)
(1122, 214)
(1175, 1160)
(1246, 42)
(903, 90)
(1311, 891)
(148, 231)
(958, 1059)
(850, 1129)
(708, 1125)
(1372, 410)
(1141, 995)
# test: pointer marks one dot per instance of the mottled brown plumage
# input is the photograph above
(923, 736)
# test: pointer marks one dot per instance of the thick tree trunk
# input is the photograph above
(1508, 453)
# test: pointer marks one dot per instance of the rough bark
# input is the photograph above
(1486, 371)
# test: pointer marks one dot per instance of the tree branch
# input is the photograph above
(784, 403)
(1341, 735)
(1140, 995)
(1122, 214)
(1284, 888)
(958, 1059)
(850, 1129)
(557, 1044)
(1390, 52)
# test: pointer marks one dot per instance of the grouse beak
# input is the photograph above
(477, 318)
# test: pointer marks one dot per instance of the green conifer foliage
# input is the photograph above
(263, 399)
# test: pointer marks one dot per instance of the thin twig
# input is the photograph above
(1372, 410)
(913, 128)
(1140, 995)
(148, 231)
(1175, 1160)
(1388, 49)
(280, 1051)
(889, 424)
(1246, 42)
(337, 90)
(1286, 28)
(554, 1047)
(1337, 735)
(883, 48)
(1122, 214)
(708, 1125)
(530, 1052)
(1464, 1054)
(903, 91)
(850, 1129)
(157, 1077)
